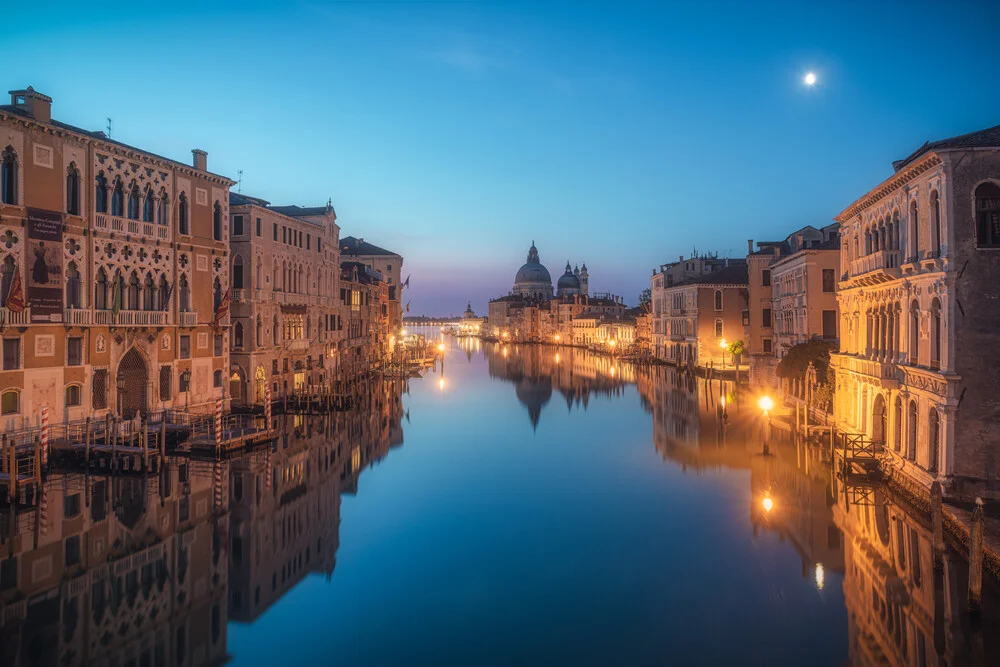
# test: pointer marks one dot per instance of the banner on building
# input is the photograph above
(45, 265)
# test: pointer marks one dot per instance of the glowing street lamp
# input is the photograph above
(441, 384)
(441, 347)
(723, 345)
(766, 405)
(767, 502)
(556, 338)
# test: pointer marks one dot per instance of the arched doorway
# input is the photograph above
(132, 383)
(878, 422)
(237, 385)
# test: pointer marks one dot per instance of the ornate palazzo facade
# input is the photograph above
(917, 294)
(122, 257)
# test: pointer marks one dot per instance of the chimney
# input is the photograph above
(37, 105)
(749, 246)
(200, 161)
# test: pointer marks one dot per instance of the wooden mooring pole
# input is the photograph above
(145, 445)
(976, 559)
(86, 446)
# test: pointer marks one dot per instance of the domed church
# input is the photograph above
(534, 282)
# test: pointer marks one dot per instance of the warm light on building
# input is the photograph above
(767, 503)
(766, 404)
(820, 576)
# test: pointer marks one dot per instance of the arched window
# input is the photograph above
(275, 333)
(259, 338)
(914, 332)
(184, 296)
(718, 299)
(936, 240)
(73, 397)
(72, 286)
(897, 423)
(148, 206)
(149, 293)
(237, 272)
(133, 202)
(118, 199)
(73, 190)
(868, 240)
(101, 290)
(133, 292)
(238, 335)
(10, 402)
(101, 193)
(914, 231)
(718, 328)
(934, 440)
(988, 215)
(217, 222)
(8, 176)
(935, 333)
(163, 209)
(6, 278)
(183, 226)
(163, 294)
(911, 431)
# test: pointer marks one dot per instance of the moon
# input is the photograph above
(809, 79)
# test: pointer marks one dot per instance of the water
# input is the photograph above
(527, 505)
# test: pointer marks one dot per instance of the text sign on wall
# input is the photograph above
(45, 265)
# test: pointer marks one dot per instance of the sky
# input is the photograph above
(456, 133)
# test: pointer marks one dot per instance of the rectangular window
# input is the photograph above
(275, 231)
(829, 324)
(308, 242)
(73, 398)
(237, 225)
(767, 346)
(765, 278)
(185, 350)
(165, 383)
(11, 354)
(274, 367)
(765, 320)
(258, 228)
(99, 389)
(829, 281)
(318, 242)
(74, 351)
(218, 345)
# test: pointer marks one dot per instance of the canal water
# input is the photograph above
(520, 504)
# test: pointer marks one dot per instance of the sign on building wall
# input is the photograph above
(45, 265)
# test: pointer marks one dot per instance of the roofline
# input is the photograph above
(803, 252)
(111, 144)
(273, 212)
(923, 164)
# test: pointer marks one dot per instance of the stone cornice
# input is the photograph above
(889, 186)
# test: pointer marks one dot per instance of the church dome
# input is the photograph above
(532, 277)
(568, 280)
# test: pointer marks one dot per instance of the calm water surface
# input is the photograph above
(526, 505)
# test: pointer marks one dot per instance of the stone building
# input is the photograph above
(287, 319)
(792, 296)
(122, 257)
(386, 262)
(364, 299)
(697, 314)
(920, 280)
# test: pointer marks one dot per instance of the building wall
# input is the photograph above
(800, 297)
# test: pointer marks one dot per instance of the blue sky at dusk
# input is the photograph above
(618, 134)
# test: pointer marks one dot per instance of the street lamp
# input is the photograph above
(611, 344)
(186, 376)
(767, 502)
(722, 344)
(766, 405)
(556, 338)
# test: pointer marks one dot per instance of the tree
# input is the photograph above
(735, 349)
(645, 299)
(795, 363)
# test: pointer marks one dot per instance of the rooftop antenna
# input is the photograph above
(109, 127)
(239, 180)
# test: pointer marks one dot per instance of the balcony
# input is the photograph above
(187, 319)
(131, 318)
(886, 373)
(11, 318)
(240, 295)
(298, 345)
(148, 231)
(876, 267)
(77, 316)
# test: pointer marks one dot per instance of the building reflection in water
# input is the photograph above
(901, 611)
(148, 570)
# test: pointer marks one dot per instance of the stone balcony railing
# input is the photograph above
(298, 345)
(131, 318)
(887, 373)
(10, 318)
(77, 316)
(187, 319)
(147, 230)
(240, 295)
(876, 267)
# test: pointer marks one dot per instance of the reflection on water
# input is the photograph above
(152, 570)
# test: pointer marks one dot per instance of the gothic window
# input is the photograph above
(133, 202)
(133, 292)
(163, 210)
(72, 286)
(118, 199)
(148, 293)
(183, 225)
(148, 206)
(936, 240)
(718, 328)
(914, 231)
(184, 296)
(6, 278)
(217, 222)
(911, 431)
(101, 193)
(237, 272)
(718, 299)
(935, 333)
(8, 176)
(914, 332)
(162, 294)
(101, 290)
(988, 215)
(73, 190)
(897, 421)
